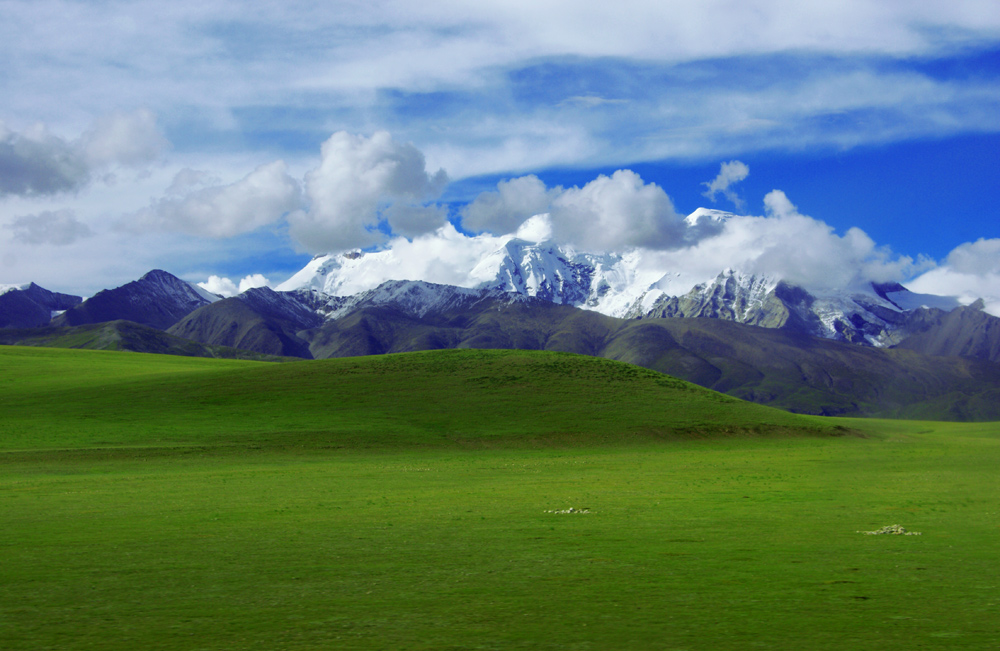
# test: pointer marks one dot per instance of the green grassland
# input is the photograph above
(403, 502)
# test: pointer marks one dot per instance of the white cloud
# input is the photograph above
(506, 208)
(225, 287)
(360, 184)
(36, 162)
(186, 180)
(615, 212)
(256, 200)
(979, 257)
(607, 214)
(220, 285)
(785, 244)
(620, 212)
(252, 281)
(341, 61)
(729, 173)
(131, 139)
(60, 228)
(971, 271)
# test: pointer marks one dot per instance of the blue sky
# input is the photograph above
(232, 139)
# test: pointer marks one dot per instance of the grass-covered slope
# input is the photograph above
(769, 366)
(420, 502)
(125, 336)
(63, 398)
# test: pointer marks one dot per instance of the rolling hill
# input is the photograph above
(435, 398)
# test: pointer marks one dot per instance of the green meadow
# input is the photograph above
(411, 502)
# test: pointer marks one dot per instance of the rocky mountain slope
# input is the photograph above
(125, 336)
(31, 306)
(965, 332)
(773, 366)
(158, 299)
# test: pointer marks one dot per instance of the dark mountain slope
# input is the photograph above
(965, 331)
(261, 320)
(158, 299)
(122, 335)
(778, 367)
(32, 306)
(768, 366)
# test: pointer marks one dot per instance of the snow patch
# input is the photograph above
(908, 300)
(13, 288)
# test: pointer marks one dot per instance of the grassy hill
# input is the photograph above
(774, 367)
(421, 501)
(769, 366)
(69, 398)
(123, 335)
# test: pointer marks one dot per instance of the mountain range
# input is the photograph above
(871, 349)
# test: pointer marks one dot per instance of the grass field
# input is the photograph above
(402, 502)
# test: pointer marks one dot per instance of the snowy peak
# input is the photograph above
(283, 305)
(631, 284)
(11, 288)
(414, 297)
(707, 217)
(733, 296)
(608, 283)
(541, 270)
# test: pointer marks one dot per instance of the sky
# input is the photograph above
(229, 142)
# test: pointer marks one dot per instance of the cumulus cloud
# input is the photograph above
(729, 173)
(785, 244)
(130, 139)
(226, 287)
(609, 213)
(971, 271)
(504, 209)
(60, 227)
(256, 200)
(621, 212)
(979, 257)
(36, 162)
(782, 244)
(615, 212)
(187, 180)
(364, 187)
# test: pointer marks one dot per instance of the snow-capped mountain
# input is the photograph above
(870, 315)
(414, 297)
(518, 267)
(607, 283)
(623, 285)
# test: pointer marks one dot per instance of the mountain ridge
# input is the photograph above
(157, 299)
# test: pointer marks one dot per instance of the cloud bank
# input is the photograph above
(59, 228)
(609, 213)
(363, 188)
(971, 271)
(498, 87)
(36, 162)
(220, 211)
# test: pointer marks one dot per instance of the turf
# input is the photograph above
(102, 399)
(696, 538)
